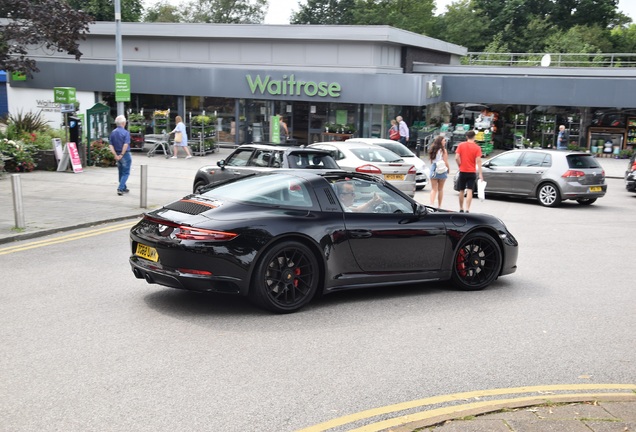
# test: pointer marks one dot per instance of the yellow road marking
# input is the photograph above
(65, 238)
(398, 421)
(458, 397)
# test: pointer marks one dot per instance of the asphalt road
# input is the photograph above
(87, 347)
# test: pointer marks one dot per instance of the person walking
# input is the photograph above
(119, 144)
(180, 138)
(394, 130)
(403, 129)
(438, 155)
(468, 158)
(562, 138)
(283, 131)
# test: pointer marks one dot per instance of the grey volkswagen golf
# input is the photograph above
(550, 176)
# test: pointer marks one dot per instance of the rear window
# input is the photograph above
(375, 155)
(278, 190)
(398, 149)
(311, 160)
(582, 161)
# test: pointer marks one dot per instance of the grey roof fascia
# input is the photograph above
(380, 33)
(538, 71)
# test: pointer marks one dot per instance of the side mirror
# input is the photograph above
(221, 163)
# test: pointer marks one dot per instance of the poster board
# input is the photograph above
(57, 149)
(70, 154)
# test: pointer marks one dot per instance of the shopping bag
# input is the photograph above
(178, 137)
(481, 189)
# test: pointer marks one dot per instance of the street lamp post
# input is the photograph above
(120, 66)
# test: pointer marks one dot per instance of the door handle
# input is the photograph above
(360, 233)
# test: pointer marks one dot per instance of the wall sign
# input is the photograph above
(289, 86)
(64, 95)
(122, 87)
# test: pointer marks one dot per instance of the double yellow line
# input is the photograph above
(539, 392)
(66, 238)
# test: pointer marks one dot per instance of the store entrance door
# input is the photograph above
(307, 121)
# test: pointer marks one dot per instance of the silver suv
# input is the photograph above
(550, 176)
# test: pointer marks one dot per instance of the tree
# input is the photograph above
(412, 15)
(162, 12)
(104, 10)
(226, 11)
(329, 12)
(49, 24)
(457, 25)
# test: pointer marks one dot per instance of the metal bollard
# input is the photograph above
(143, 196)
(18, 209)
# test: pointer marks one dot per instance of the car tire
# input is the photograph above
(198, 185)
(549, 195)
(286, 277)
(477, 262)
(586, 201)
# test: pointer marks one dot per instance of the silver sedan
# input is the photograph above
(371, 159)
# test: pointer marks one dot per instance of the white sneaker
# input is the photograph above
(173, 157)
(188, 157)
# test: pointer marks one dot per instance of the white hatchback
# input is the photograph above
(372, 159)
(421, 174)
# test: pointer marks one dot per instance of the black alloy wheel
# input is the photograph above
(549, 195)
(286, 278)
(477, 262)
(198, 185)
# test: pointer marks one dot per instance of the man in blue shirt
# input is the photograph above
(119, 146)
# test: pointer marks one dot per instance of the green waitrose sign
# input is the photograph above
(289, 86)
(64, 95)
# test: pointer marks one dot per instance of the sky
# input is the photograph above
(280, 10)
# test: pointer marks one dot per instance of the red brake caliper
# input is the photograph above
(297, 273)
(461, 262)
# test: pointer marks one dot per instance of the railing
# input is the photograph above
(556, 59)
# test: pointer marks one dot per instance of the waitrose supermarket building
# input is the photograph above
(329, 82)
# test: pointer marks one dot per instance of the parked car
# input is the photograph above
(372, 159)
(550, 176)
(254, 158)
(421, 179)
(281, 237)
(630, 175)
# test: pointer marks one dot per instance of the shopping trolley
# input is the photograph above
(159, 141)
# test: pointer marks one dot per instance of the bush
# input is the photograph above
(101, 155)
(17, 155)
(626, 154)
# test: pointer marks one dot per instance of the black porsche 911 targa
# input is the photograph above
(281, 238)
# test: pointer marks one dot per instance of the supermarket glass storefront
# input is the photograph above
(240, 121)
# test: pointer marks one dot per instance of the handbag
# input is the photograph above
(178, 137)
(440, 167)
(394, 135)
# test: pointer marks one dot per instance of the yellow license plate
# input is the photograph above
(147, 252)
(596, 189)
(393, 177)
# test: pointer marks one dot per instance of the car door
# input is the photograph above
(498, 172)
(529, 171)
(394, 239)
(236, 164)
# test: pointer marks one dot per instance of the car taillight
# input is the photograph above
(191, 233)
(369, 169)
(573, 173)
(185, 232)
(412, 170)
(634, 167)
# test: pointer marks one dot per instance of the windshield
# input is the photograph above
(369, 154)
(279, 190)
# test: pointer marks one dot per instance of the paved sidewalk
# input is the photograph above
(56, 201)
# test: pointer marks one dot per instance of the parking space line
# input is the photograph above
(362, 415)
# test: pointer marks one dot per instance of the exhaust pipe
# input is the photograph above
(148, 278)
(137, 273)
